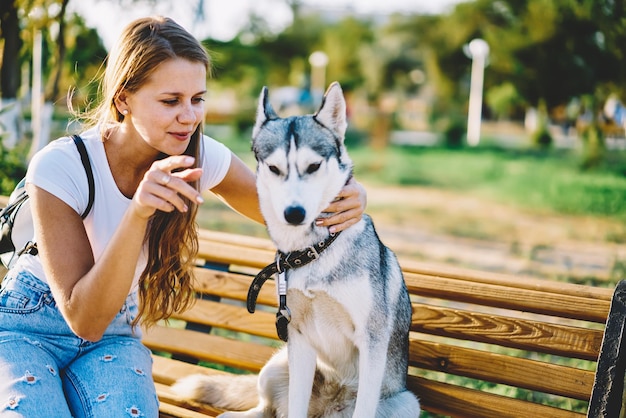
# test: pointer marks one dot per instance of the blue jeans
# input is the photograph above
(47, 371)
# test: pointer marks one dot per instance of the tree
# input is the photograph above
(10, 31)
(550, 50)
(84, 58)
(609, 17)
(567, 57)
(60, 52)
(19, 20)
(10, 71)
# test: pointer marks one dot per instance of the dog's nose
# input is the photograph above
(295, 215)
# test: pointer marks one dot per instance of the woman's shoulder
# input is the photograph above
(61, 148)
(62, 153)
(91, 135)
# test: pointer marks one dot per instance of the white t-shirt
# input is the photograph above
(57, 168)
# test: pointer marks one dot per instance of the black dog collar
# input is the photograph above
(284, 262)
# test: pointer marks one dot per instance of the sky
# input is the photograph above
(224, 18)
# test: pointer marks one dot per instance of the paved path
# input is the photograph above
(454, 228)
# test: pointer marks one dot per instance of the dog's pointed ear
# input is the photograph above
(332, 112)
(264, 112)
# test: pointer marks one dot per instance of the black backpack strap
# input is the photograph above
(84, 157)
(31, 247)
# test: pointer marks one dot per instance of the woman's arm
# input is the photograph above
(238, 190)
(89, 294)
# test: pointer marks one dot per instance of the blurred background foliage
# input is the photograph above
(552, 66)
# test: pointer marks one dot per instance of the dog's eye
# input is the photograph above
(274, 169)
(313, 168)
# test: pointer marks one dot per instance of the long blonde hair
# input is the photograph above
(166, 283)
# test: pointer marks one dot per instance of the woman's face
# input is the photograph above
(168, 108)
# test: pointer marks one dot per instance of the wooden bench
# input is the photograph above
(481, 344)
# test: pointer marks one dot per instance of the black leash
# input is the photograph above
(284, 262)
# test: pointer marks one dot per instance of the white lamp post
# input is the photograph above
(37, 16)
(318, 61)
(478, 51)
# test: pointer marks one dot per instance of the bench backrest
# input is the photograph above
(482, 345)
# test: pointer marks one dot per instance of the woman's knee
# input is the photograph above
(31, 383)
(123, 386)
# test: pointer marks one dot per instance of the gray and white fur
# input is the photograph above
(347, 352)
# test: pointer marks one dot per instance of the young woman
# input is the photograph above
(69, 337)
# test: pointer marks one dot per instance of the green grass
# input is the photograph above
(548, 181)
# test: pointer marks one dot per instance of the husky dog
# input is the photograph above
(344, 307)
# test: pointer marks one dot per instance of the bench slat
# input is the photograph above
(564, 306)
(496, 368)
(236, 318)
(234, 353)
(539, 296)
(596, 310)
(167, 410)
(508, 280)
(233, 286)
(263, 251)
(507, 332)
(234, 254)
(460, 402)
(572, 382)
(236, 239)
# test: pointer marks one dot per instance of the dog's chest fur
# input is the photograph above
(327, 325)
(328, 307)
(349, 309)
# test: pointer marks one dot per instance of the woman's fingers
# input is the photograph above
(347, 209)
(163, 189)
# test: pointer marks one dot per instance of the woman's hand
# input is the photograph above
(162, 189)
(347, 208)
